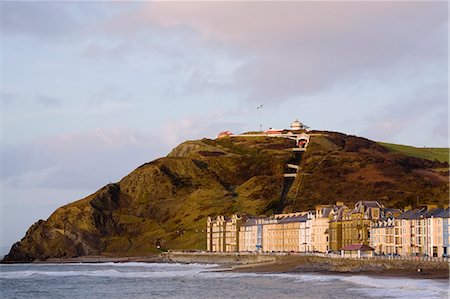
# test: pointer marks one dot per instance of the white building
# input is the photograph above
(297, 125)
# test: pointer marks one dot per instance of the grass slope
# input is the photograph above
(431, 153)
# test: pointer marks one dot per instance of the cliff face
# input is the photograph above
(165, 203)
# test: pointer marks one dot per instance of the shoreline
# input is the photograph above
(94, 259)
(287, 263)
(274, 268)
(279, 264)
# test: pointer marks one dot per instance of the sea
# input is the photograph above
(158, 280)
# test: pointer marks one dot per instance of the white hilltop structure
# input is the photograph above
(296, 125)
(296, 130)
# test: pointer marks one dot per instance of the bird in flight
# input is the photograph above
(259, 107)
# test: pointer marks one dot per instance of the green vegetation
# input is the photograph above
(430, 153)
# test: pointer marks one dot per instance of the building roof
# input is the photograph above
(438, 213)
(296, 123)
(390, 212)
(250, 221)
(355, 247)
(326, 211)
(225, 133)
(413, 214)
(274, 131)
(291, 219)
(444, 214)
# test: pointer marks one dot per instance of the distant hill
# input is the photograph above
(164, 204)
(430, 153)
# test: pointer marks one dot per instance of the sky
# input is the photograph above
(91, 90)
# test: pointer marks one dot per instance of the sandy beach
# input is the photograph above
(296, 265)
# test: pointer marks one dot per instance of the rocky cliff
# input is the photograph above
(163, 204)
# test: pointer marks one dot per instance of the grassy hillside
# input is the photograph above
(431, 153)
(164, 204)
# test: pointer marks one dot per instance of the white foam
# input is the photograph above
(124, 270)
(116, 264)
(386, 287)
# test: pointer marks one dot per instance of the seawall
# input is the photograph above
(231, 258)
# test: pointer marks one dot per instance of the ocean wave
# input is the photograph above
(100, 273)
(129, 270)
(366, 285)
(385, 287)
(402, 287)
(114, 264)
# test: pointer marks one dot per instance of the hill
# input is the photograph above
(164, 204)
(430, 153)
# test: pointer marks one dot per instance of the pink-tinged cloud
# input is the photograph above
(289, 49)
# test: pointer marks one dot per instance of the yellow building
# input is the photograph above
(222, 234)
(335, 229)
(288, 233)
(353, 226)
(320, 225)
(419, 234)
(382, 236)
(251, 234)
(278, 233)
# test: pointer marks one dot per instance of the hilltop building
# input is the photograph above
(294, 131)
(224, 134)
(297, 125)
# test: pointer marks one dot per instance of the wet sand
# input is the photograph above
(288, 265)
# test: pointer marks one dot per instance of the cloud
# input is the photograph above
(109, 98)
(56, 21)
(441, 128)
(289, 49)
(98, 51)
(415, 108)
(47, 101)
(74, 160)
(279, 50)
(199, 126)
(38, 19)
(6, 98)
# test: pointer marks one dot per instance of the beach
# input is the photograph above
(293, 264)
(267, 263)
